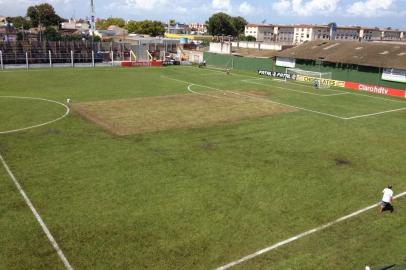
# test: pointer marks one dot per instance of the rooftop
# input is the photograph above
(385, 55)
(325, 26)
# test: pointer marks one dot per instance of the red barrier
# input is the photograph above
(376, 89)
(154, 63)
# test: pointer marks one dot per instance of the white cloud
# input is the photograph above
(371, 8)
(145, 4)
(246, 9)
(282, 6)
(221, 5)
(306, 8)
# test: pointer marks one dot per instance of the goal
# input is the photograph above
(319, 79)
(222, 64)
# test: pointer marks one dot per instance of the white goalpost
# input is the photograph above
(225, 66)
(318, 79)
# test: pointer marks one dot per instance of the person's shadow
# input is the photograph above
(388, 207)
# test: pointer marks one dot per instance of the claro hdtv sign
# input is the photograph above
(376, 89)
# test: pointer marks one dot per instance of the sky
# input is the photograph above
(381, 13)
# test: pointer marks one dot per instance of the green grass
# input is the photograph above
(198, 198)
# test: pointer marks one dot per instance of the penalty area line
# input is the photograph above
(373, 114)
(263, 99)
(301, 235)
(37, 216)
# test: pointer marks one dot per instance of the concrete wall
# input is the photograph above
(192, 56)
(257, 45)
(223, 47)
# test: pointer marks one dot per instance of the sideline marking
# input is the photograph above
(294, 238)
(372, 114)
(39, 125)
(37, 216)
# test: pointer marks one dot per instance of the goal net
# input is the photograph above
(220, 62)
(319, 79)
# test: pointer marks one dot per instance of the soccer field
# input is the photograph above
(188, 168)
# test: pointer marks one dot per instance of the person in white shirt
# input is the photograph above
(387, 199)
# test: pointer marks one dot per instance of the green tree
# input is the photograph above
(104, 24)
(132, 27)
(44, 14)
(19, 22)
(51, 34)
(219, 24)
(246, 38)
(239, 24)
(147, 27)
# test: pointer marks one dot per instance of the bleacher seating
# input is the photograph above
(38, 52)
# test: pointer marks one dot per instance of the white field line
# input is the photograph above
(372, 114)
(293, 90)
(189, 88)
(37, 216)
(284, 104)
(39, 125)
(350, 92)
(304, 85)
(295, 83)
(266, 100)
(296, 237)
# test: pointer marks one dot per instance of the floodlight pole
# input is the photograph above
(50, 59)
(92, 21)
(1, 60)
(26, 59)
(112, 58)
(93, 65)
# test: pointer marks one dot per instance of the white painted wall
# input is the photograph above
(257, 45)
(223, 47)
(193, 56)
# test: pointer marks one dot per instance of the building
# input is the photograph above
(300, 33)
(8, 33)
(2, 20)
(178, 28)
(370, 34)
(198, 28)
(76, 25)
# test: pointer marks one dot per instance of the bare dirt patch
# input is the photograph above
(342, 162)
(140, 115)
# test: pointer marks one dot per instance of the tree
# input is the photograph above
(147, 27)
(219, 24)
(104, 24)
(51, 34)
(19, 22)
(44, 14)
(242, 37)
(132, 27)
(239, 24)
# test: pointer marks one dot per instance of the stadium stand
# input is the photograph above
(38, 52)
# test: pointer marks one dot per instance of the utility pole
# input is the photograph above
(92, 22)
